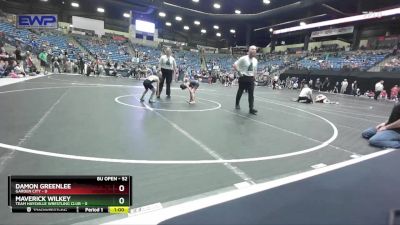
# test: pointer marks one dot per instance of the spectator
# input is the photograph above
(8, 68)
(56, 65)
(336, 88)
(394, 92)
(81, 65)
(378, 89)
(19, 70)
(354, 87)
(344, 86)
(318, 85)
(18, 55)
(325, 84)
(3, 54)
(275, 80)
(43, 61)
(392, 66)
(60, 63)
(29, 66)
(387, 134)
(384, 94)
(2, 68)
(68, 66)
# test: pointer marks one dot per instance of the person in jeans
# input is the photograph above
(246, 66)
(387, 134)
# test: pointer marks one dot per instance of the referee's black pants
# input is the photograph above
(166, 75)
(246, 83)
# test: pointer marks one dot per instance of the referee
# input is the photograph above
(167, 64)
(247, 68)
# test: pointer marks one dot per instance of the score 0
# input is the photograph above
(121, 188)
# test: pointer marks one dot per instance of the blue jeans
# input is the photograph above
(383, 139)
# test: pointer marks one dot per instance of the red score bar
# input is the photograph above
(82, 189)
(70, 185)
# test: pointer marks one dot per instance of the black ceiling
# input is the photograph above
(229, 6)
(255, 14)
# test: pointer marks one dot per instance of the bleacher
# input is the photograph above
(108, 49)
(393, 65)
(361, 61)
(56, 41)
(277, 62)
(152, 55)
(224, 61)
(105, 49)
(189, 59)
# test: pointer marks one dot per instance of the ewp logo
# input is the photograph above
(34, 21)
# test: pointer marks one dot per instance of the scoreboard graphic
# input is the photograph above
(70, 194)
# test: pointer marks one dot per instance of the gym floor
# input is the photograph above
(174, 151)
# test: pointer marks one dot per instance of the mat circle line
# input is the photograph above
(173, 162)
(117, 100)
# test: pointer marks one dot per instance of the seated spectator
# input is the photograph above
(384, 94)
(19, 70)
(9, 67)
(2, 68)
(393, 65)
(3, 54)
(387, 134)
(12, 74)
(369, 94)
(394, 92)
